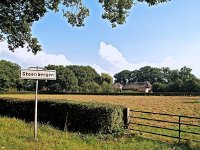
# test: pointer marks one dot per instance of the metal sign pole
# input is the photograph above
(36, 103)
(37, 73)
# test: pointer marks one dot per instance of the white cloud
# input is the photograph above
(113, 56)
(99, 70)
(27, 59)
(118, 62)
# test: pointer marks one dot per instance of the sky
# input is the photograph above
(165, 35)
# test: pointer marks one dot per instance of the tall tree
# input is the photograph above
(191, 85)
(174, 75)
(134, 76)
(17, 17)
(84, 73)
(165, 74)
(106, 78)
(65, 81)
(9, 75)
(185, 73)
(150, 74)
(122, 77)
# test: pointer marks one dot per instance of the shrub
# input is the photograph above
(74, 116)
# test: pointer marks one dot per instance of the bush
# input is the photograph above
(107, 88)
(73, 116)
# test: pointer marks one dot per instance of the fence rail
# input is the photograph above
(131, 115)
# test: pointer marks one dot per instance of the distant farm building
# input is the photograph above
(118, 87)
(144, 87)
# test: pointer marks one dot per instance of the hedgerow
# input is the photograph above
(68, 115)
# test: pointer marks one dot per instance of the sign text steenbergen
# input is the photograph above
(38, 74)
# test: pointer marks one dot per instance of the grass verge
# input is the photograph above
(18, 135)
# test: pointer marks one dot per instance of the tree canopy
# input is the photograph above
(9, 75)
(163, 79)
(71, 78)
(17, 17)
(76, 78)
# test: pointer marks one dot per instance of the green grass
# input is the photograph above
(17, 135)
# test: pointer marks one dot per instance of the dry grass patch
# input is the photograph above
(182, 105)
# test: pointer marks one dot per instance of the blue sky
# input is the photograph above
(166, 35)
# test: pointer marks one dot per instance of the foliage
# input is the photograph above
(148, 73)
(158, 87)
(17, 17)
(122, 77)
(83, 117)
(92, 87)
(107, 88)
(84, 74)
(163, 79)
(65, 81)
(71, 78)
(191, 85)
(9, 75)
(106, 78)
(185, 74)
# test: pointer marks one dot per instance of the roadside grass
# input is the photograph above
(17, 134)
(170, 133)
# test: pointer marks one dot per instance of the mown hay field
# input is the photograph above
(181, 105)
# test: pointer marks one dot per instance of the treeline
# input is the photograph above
(69, 79)
(82, 79)
(162, 79)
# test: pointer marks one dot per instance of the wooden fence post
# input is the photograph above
(126, 117)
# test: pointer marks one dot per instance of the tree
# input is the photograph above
(91, 87)
(84, 74)
(165, 74)
(191, 85)
(134, 76)
(185, 73)
(17, 17)
(150, 74)
(9, 75)
(106, 78)
(174, 86)
(158, 87)
(107, 88)
(80, 73)
(65, 81)
(122, 77)
(174, 75)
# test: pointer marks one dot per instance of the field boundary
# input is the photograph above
(179, 124)
(111, 94)
(68, 115)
